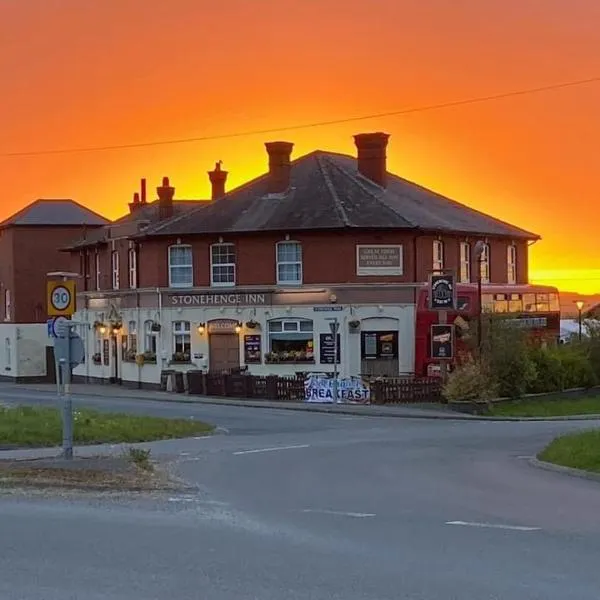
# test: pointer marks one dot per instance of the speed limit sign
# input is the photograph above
(61, 298)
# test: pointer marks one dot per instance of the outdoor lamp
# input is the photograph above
(238, 327)
(201, 328)
(102, 329)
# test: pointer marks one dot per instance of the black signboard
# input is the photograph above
(105, 352)
(442, 292)
(327, 348)
(379, 345)
(442, 342)
(252, 352)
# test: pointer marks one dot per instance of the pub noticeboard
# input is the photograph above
(327, 348)
(442, 342)
(252, 352)
(442, 291)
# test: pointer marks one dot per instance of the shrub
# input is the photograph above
(469, 381)
(508, 354)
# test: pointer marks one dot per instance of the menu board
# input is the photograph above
(252, 349)
(105, 352)
(378, 345)
(327, 349)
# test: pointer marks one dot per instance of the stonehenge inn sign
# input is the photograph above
(224, 299)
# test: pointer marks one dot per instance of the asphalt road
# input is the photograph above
(314, 506)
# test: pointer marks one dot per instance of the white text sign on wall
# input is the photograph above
(379, 260)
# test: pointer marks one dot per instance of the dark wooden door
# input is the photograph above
(224, 352)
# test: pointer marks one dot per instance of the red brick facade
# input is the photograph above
(328, 258)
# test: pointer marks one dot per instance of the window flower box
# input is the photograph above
(181, 357)
(129, 355)
(148, 358)
(289, 357)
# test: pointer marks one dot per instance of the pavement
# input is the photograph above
(302, 505)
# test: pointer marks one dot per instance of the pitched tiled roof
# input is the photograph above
(327, 192)
(130, 224)
(55, 212)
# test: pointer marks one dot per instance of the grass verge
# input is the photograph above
(548, 408)
(576, 450)
(26, 426)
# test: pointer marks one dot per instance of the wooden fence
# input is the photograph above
(291, 389)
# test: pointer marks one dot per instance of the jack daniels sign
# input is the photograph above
(442, 341)
(442, 291)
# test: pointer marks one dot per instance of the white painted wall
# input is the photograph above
(23, 349)
(399, 318)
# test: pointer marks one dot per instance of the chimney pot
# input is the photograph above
(217, 180)
(165, 194)
(280, 166)
(372, 157)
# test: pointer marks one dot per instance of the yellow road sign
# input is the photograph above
(61, 298)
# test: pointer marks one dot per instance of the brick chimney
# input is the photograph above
(165, 199)
(372, 157)
(133, 206)
(280, 166)
(143, 191)
(217, 181)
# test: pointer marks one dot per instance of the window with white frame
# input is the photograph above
(182, 341)
(130, 345)
(181, 267)
(484, 263)
(511, 264)
(114, 262)
(438, 256)
(465, 262)
(149, 341)
(291, 340)
(289, 263)
(132, 260)
(7, 306)
(97, 268)
(222, 265)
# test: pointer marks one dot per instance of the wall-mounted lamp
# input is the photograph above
(102, 329)
(116, 328)
(238, 327)
(201, 328)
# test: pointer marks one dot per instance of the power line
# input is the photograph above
(392, 113)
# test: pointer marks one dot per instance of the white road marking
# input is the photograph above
(270, 449)
(524, 457)
(356, 515)
(493, 526)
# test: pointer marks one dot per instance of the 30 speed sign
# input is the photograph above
(61, 298)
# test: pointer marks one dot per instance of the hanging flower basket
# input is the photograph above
(155, 327)
(251, 324)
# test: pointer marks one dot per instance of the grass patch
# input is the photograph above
(548, 408)
(37, 426)
(575, 450)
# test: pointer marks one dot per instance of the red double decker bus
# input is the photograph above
(532, 307)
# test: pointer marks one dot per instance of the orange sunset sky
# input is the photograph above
(80, 73)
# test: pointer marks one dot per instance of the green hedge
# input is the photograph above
(509, 365)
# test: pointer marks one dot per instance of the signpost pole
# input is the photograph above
(443, 320)
(61, 303)
(334, 327)
(335, 365)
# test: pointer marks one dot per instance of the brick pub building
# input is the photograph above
(251, 277)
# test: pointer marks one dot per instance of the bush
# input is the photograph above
(469, 381)
(508, 354)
